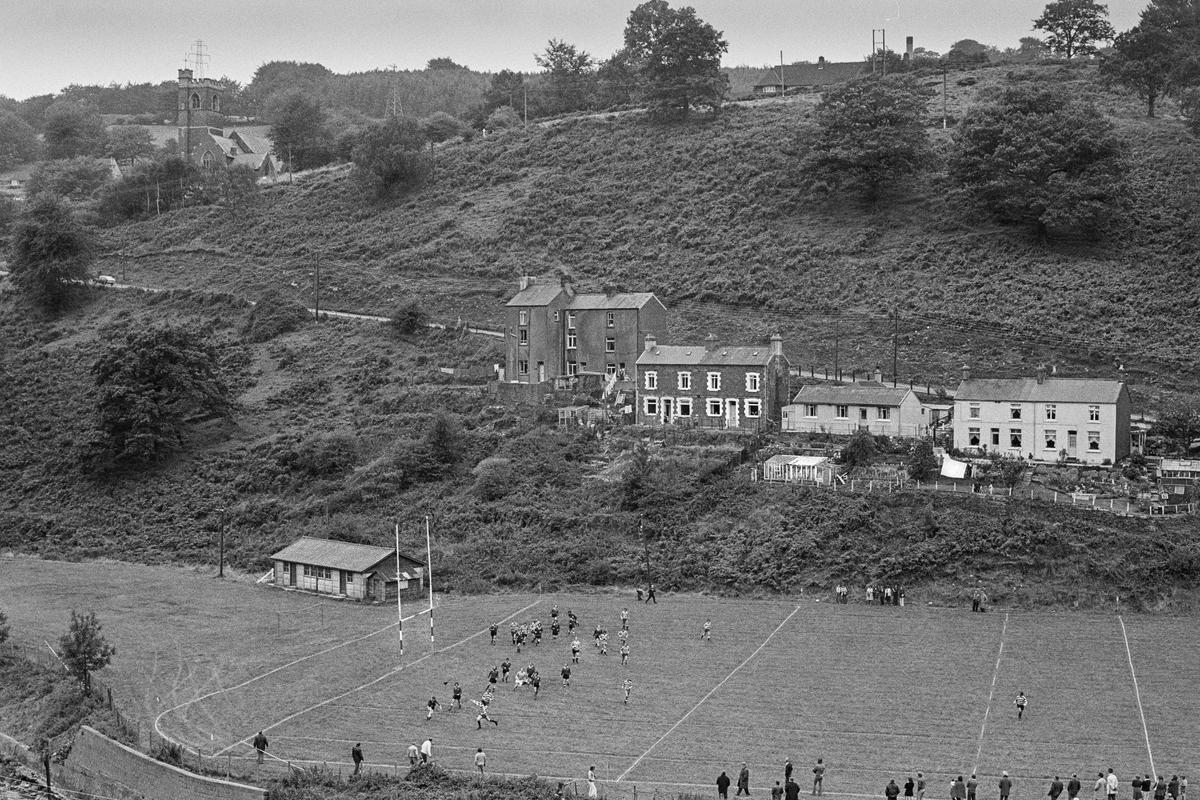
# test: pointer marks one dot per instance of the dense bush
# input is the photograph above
(274, 315)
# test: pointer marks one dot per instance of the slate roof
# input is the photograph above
(682, 354)
(863, 393)
(1051, 390)
(588, 302)
(250, 142)
(536, 295)
(338, 555)
(821, 74)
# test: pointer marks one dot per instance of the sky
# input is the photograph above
(50, 44)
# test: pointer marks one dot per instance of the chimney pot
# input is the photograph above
(776, 344)
(525, 281)
(651, 341)
(711, 342)
(1041, 373)
(878, 375)
(966, 372)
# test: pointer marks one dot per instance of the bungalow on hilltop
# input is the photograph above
(807, 77)
(865, 405)
(346, 569)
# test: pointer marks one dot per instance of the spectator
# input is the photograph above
(908, 787)
(777, 791)
(1056, 788)
(1073, 787)
(412, 754)
(791, 790)
(891, 791)
(1111, 784)
(260, 745)
(818, 777)
(972, 786)
(480, 760)
(743, 786)
(723, 785)
(427, 751)
(1006, 785)
(356, 756)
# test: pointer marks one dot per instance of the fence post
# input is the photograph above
(1055, 499)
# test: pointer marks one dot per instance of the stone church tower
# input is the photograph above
(199, 109)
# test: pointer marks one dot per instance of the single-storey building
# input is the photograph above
(346, 569)
(865, 405)
(800, 469)
(807, 77)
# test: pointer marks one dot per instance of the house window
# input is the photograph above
(1093, 414)
(685, 381)
(1014, 411)
(572, 368)
(1051, 440)
(572, 340)
(714, 381)
(651, 380)
(810, 409)
(570, 319)
(1094, 440)
(973, 411)
(843, 412)
(522, 367)
(610, 369)
(714, 407)
(1014, 438)
(995, 437)
(753, 407)
(683, 407)
(651, 406)
(973, 437)
(862, 415)
(610, 320)
(523, 336)
(883, 412)
(610, 345)
(1051, 411)
(522, 317)
(753, 380)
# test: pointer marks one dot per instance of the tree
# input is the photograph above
(73, 129)
(128, 142)
(1179, 424)
(442, 63)
(388, 157)
(1160, 55)
(442, 127)
(1074, 26)
(676, 58)
(1037, 154)
(150, 384)
(3, 628)
(614, 80)
(1032, 47)
(79, 178)
(50, 250)
(1189, 107)
(922, 463)
(84, 649)
(570, 74)
(156, 187)
(18, 141)
(871, 131)
(860, 451)
(506, 90)
(503, 117)
(299, 135)
(408, 319)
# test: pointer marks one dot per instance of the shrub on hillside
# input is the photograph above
(274, 315)
(324, 455)
(76, 179)
(389, 158)
(861, 450)
(408, 319)
(51, 252)
(922, 464)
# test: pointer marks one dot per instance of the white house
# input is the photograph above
(1046, 418)
(844, 409)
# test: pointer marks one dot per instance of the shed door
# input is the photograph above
(342, 581)
(291, 568)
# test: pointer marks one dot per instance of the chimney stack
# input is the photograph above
(908, 48)
(820, 62)
(1041, 373)
(524, 282)
(651, 341)
(878, 375)
(711, 342)
(776, 344)
(966, 372)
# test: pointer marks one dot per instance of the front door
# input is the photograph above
(541, 371)
(668, 408)
(342, 581)
(1072, 442)
(731, 413)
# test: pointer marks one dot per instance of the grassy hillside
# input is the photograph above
(708, 215)
(331, 438)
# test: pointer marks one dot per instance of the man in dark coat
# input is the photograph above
(743, 781)
(891, 791)
(723, 785)
(357, 757)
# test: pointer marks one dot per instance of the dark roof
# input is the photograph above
(338, 555)
(1051, 390)
(821, 74)
(863, 393)
(667, 354)
(623, 300)
(536, 295)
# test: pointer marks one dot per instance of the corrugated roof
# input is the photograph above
(589, 302)
(797, 461)
(863, 393)
(337, 555)
(1050, 390)
(820, 74)
(536, 295)
(699, 355)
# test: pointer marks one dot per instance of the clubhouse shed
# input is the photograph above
(346, 569)
(799, 469)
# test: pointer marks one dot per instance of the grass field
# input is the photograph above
(876, 692)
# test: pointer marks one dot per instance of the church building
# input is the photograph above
(203, 135)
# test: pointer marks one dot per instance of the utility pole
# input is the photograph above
(46, 764)
(883, 32)
(525, 103)
(782, 84)
(317, 295)
(944, 96)
(836, 336)
(895, 340)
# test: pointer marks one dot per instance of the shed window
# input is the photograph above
(1051, 439)
(1093, 440)
(973, 411)
(683, 407)
(883, 412)
(1051, 411)
(651, 406)
(1093, 413)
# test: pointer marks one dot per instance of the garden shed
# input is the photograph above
(347, 569)
(799, 469)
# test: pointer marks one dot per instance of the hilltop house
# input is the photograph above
(807, 77)
(711, 384)
(359, 571)
(866, 405)
(1044, 418)
(551, 331)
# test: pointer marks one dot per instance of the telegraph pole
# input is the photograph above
(782, 84)
(895, 340)
(317, 295)
(943, 96)
(836, 336)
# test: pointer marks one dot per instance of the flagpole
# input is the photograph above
(399, 604)
(429, 567)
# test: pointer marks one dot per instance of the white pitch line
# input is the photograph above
(1137, 693)
(709, 694)
(991, 694)
(371, 683)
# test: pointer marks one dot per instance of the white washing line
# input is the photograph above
(1138, 694)
(991, 694)
(709, 694)
(371, 683)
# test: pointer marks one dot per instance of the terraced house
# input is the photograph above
(554, 332)
(1044, 418)
(712, 384)
(865, 405)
